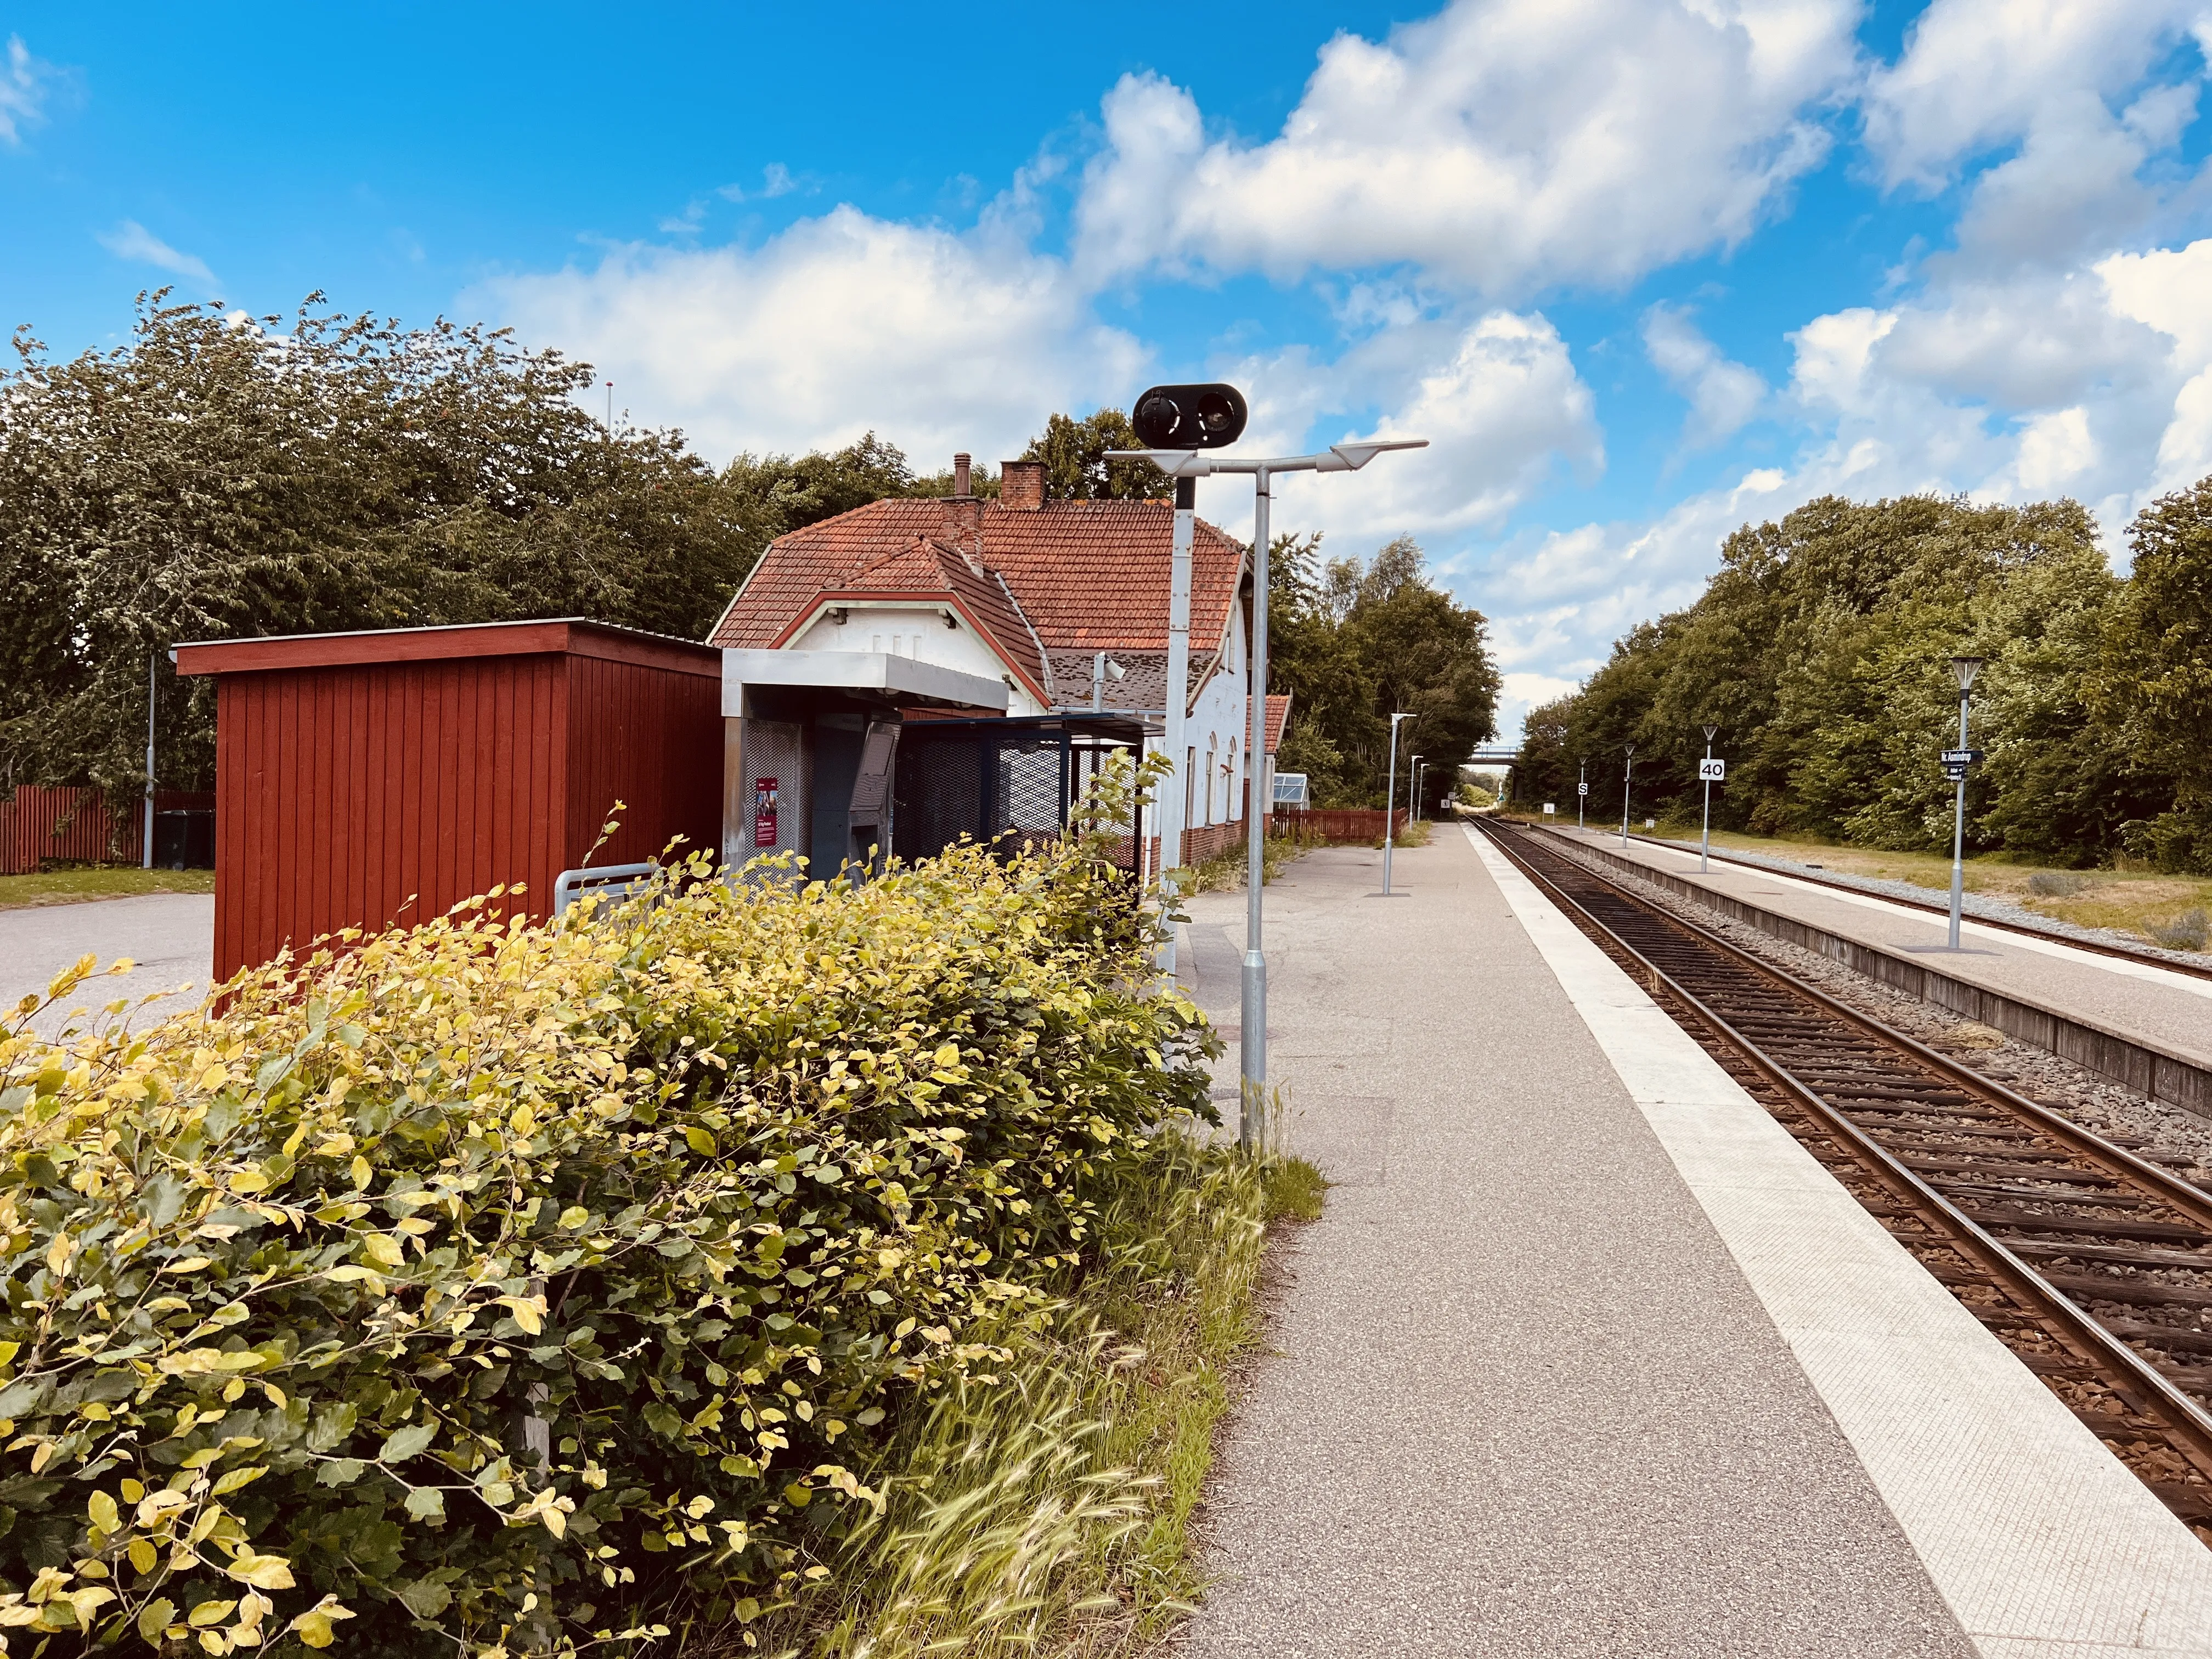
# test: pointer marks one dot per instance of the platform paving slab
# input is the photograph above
(2039, 1539)
(1522, 1400)
(2141, 1001)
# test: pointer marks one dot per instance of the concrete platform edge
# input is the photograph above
(2038, 1539)
(2140, 1066)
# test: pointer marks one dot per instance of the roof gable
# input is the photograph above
(1067, 576)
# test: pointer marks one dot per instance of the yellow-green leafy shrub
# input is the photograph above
(489, 1286)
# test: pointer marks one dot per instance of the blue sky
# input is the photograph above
(1642, 269)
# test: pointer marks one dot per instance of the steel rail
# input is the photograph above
(1821, 879)
(2187, 1422)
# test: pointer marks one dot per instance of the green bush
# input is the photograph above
(514, 1288)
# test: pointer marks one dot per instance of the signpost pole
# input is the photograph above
(1252, 1038)
(1173, 809)
(153, 684)
(1705, 839)
(1582, 796)
(1965, 668)
(1627, 775)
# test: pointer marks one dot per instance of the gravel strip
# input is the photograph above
(2154, 1129)
(1974, 905)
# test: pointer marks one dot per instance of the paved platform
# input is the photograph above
(1586, 1356)
(171, 937)
(2145, 1003)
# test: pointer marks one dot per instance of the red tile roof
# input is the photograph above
(1070, 575)
(1279, 716)
(929, 572)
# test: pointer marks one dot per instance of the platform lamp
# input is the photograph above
(1417, 788)
(1627, 776)
(1176, 424)
(1390, 805)
(1963, 669)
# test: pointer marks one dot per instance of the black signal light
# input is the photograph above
(1189, 416)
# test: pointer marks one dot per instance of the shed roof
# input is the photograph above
(572, 636)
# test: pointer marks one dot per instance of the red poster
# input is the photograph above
(764, 812)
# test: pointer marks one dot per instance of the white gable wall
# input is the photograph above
(917, 631)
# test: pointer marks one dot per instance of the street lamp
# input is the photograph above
(1185, 465)
(1417, 788)
(1627, 775)
(1582, 794)
(1705, 776)
(1390, 805)
(1963, 669)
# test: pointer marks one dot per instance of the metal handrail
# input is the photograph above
(617, 881)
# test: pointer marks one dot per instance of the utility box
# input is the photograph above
(378, 779)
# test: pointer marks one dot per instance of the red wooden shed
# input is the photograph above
(365, 779)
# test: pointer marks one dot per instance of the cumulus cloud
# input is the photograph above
(1501, 145)
(843, 322)
(1496, 396)
(1724, 395)
(1975, 76)
(2164, 290)
(22, 91)
(133, 242)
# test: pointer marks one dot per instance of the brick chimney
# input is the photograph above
(1021, 486)
(961, 481)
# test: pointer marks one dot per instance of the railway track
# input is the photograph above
(2091, 1264)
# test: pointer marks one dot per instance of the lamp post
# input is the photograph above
(1390, 803)
(1706, 773)
(1582, 794)
(1627, 776)
(1963, 669)
(1417, 788)
(1181, 464)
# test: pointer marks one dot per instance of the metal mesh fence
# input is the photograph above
(1000, 782)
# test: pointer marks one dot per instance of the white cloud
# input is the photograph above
(132, 240)
(840, 322)
(1501, 145)
(2165, 290)
(1496, 397)
(22, 91)
(1978, 75)
(1724, 395)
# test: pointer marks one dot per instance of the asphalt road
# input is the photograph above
(170, 936)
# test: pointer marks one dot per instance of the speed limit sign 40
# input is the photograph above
(1712, 771)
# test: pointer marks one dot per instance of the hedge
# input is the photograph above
(499, 1289)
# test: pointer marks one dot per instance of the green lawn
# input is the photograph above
(75, 886)
(2132, 901)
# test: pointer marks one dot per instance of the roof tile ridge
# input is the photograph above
(1044, 659)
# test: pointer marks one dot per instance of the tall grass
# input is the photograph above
(1046, 1508)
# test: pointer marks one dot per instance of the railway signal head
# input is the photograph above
(1209, 416)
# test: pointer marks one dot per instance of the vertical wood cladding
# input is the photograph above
(382, 793)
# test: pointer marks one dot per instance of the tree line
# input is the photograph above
(1820, 651)
(219, 477)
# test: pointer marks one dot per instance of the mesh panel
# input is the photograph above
(997, 784)
(775, 749)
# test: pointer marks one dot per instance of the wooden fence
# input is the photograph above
(1346, 827)
(76, 826)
